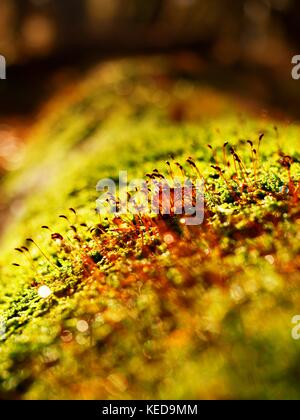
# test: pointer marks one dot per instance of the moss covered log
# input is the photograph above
(137, 307)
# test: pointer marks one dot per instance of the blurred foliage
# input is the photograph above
(257, 31)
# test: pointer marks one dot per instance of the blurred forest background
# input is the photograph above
(246, 35)
(256, 37)
(230, 31)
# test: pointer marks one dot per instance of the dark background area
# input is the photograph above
(247, 45)
(229, 30)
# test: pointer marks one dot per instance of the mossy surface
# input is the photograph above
(169, 311)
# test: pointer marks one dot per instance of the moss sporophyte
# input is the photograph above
(156, 195)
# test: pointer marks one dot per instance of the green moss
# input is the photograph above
(207, 316)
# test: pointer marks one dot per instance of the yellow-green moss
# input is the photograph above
(209, 317)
